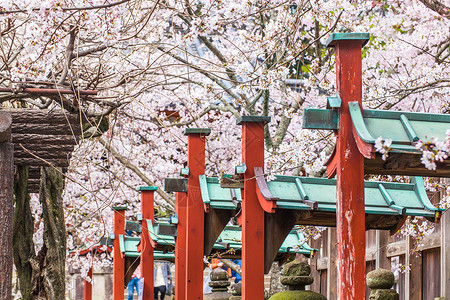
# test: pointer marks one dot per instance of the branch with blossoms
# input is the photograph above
(383, 147)
(434, 151)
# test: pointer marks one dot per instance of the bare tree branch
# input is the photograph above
(126, 162)
(438, 7)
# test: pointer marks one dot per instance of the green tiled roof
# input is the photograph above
(230, 238)
(403, 128)
(318, 195)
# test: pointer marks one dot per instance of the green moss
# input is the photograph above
(298, 295)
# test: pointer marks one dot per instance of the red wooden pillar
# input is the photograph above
(147, 257)
(195, 213)
(252, 212)
(88, 286)
(118, 260)
(350, 213)
(180, 247)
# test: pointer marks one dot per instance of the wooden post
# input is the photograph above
(413, 278)
(118, 260)
(252, 212)
(147, 256)
(350, 210)
(180, 246)
(88, 286)
(331, 267)
(6, 205)
(195, 213)
(381, 259)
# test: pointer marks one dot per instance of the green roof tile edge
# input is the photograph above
(121, 243)
(202, 131)
(120, 208)
(358, 122)
(419, 188)
(338, 36)
(204, 189)
(254, 119)
(412, 116)
(147, 188)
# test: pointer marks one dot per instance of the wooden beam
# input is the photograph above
(46, 129)
(41, 116)
(44, 139)
(42, 147)
(277, 226)
(215, 222)
(396, 249)
(56, 162)
(431, 241)
(404, 164)
(55, 154)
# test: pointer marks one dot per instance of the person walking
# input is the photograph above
(134, 282)
(162, 277)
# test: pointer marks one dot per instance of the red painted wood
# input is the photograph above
(88, 286)
(147, 257)
(366, 149)
(252, 214)
(195, 218)
(118, 261)
(350, 216)
(267, 205)
(180, 247)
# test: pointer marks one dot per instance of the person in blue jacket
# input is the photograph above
(162, 279)
(237, 278)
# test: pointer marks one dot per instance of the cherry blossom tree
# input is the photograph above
(161, 66)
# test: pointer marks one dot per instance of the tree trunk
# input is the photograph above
(233, 266)
(23, 245)
(6, 218)
(54, 249)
